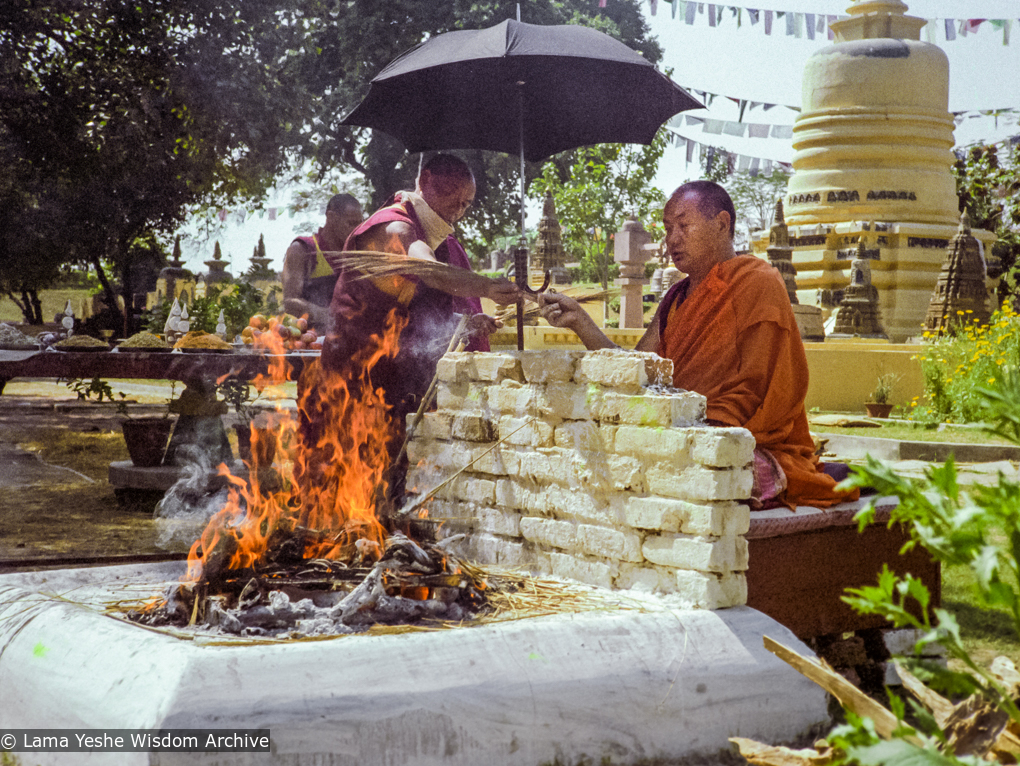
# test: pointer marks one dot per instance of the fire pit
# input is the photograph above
(644, 680)
(583, 470)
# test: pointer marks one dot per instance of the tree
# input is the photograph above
(350, 43)
(120, 116)
(755, 197)
(597, 192)
(988, 185)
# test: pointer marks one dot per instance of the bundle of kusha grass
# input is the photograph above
(509, 314)
(372, 264)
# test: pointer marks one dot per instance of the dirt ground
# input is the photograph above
(50, 512)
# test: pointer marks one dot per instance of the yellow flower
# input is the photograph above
(991, 380)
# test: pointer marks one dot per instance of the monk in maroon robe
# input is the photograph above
(424, 311)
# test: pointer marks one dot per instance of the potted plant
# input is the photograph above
(879, 406)
(237, 394)
(146, 438)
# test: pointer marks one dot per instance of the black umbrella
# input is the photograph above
(516, 87)
(520, 87)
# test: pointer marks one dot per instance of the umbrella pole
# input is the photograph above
(521, 274)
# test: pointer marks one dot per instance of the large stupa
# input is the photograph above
(873, 153)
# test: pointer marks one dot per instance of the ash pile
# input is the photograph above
(283, 597)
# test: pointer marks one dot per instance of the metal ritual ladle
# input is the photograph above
(521, 280)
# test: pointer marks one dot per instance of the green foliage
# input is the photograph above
(97, 390)
(347, 44)
(884, 387)
(988, 185)
(115, 118)
(957, 526)
(956, 366)
(239, 304)
(755, 197)
(594, 196)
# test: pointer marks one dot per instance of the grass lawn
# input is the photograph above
(905, 430)
(53, 302)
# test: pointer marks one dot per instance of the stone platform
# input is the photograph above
(643, 681)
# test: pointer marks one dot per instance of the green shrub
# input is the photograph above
(956, 365)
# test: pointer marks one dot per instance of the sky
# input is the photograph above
(742, 63)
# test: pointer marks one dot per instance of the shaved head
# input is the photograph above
(712, 200)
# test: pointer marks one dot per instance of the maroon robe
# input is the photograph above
(360, 308)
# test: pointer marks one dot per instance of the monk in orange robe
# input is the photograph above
(730, 331)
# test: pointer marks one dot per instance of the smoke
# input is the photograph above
(188, 505)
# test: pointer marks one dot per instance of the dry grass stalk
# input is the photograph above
(849, 696)
(509, 314)
(370, 264)
(760, 754)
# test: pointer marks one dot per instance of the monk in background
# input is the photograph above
(731, 333)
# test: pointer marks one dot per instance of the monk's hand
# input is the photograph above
(502, 291)
(482, 325)
(559, 310)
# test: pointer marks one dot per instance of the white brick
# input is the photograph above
(597, 573)
(472, 428)
(722, 447)
(656, 513)
(569, 401)
(461, 514)
(434, 426)
(548, 532)
(496, 367)
(685, 552)
(454, 368)
(722, 519)
(499, 522)
(512, 398)
(473, 489)
(582, 505)
(646, 579)
(624, 370)
(462, 397)
(666, 444)
(609, 543)
(614, 407)
(491, 549)
(497, 461)
(585, 436)
(687, 408)
(549, 366)
(709, 591)
(522, 433)
(700, 483)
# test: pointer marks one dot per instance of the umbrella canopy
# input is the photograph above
(517, 87)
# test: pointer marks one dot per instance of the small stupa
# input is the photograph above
(172, 277)
(858, 314)
(548, 254)
(260, 263)
(217, 268)
(960, 295)
(780, 255)
(873, 152)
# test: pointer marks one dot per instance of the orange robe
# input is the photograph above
(735, 341)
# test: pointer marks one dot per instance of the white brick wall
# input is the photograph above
(600, 478)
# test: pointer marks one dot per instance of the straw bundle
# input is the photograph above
(369, 264)
(509, 314)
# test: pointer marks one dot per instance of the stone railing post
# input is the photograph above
(630, 253)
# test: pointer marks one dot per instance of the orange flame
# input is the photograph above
(329, 472)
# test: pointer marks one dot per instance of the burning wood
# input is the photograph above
(409, 584)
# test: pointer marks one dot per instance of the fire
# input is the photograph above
(318, 497)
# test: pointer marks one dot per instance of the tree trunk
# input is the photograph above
(32, 300)
(108, 292)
